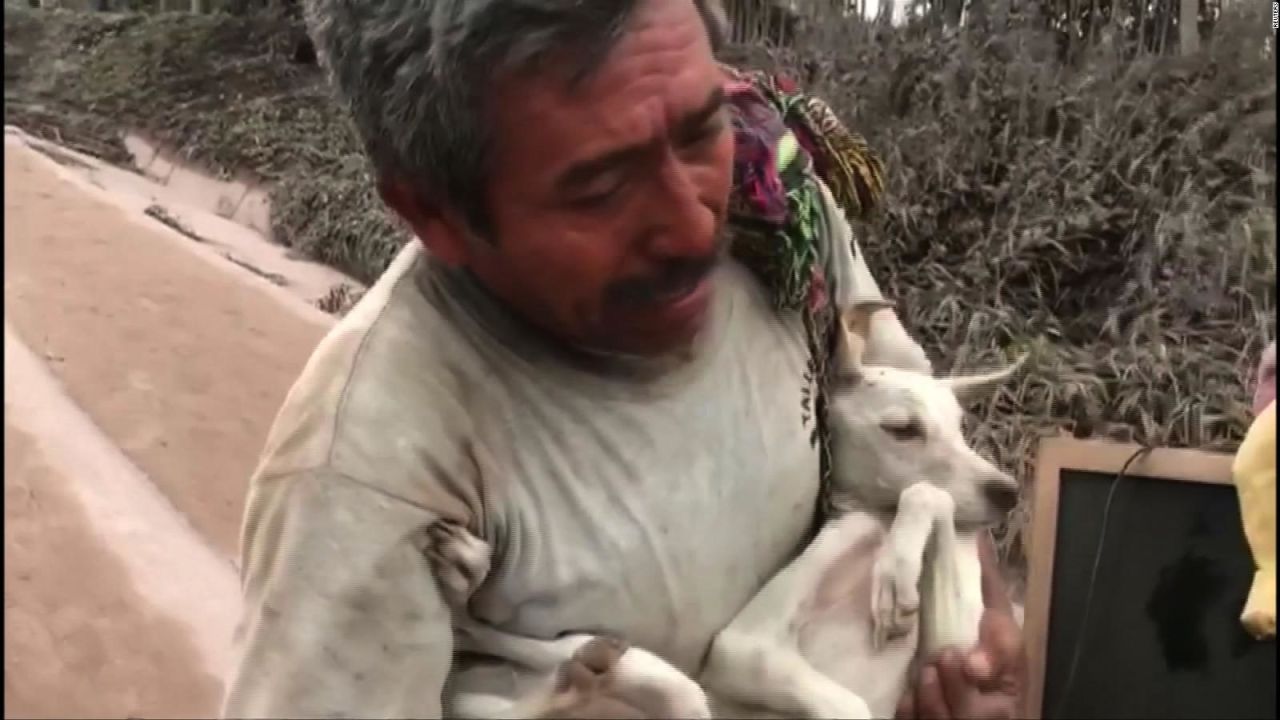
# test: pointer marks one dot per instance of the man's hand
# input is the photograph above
(987, 684)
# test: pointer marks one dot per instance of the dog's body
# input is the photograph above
(893, 574)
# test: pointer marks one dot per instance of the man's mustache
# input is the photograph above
(673, 279)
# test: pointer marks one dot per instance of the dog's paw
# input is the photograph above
(459, 559)
(606, 678)
(590, 668)
(895, 599)
(584, 683)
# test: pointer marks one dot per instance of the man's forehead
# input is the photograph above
(642, 89)
(555, 136)
(662, 37)
(592, 123)
(559, 86)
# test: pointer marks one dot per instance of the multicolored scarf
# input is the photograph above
(783, 138)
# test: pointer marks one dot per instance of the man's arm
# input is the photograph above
(342, 615)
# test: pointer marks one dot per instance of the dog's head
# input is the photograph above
(891, 428)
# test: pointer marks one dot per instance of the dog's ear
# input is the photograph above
(846, 370)
(857, 317)
(966, 387)
(851, 340)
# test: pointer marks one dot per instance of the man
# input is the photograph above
(565, 364)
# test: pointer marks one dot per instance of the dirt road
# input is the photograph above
(142, 371)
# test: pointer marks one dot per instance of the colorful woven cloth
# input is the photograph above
(782, 139)
(781, 135)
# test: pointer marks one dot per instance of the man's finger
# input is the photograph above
(978, 666)
(998, 653)
(907, 705)
(930, 702)
(956, 687)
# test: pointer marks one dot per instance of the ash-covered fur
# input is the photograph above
(893, 574)
(891, 428)
(415, 76)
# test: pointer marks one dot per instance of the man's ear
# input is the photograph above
(444, 237)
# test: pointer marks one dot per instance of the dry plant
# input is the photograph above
(1114, 217)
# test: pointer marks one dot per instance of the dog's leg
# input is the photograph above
(754, 671)
(951, 591)
(607, 679)
(592, 674)
(924, 557)
(895, 580)
(595, 676)
(602, 679)
(533, 653)
(565, 678)
(756, 661)
(460, 561)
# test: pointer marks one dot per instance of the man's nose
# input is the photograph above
(684, 226)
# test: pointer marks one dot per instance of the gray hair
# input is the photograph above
(415, 75)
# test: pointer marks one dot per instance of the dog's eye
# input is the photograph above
(910, 430)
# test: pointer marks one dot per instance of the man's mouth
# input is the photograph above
(676, 286)
(682, 292)
(690, 300)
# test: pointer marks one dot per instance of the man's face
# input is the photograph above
(608, 197)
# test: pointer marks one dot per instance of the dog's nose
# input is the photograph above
(1002, 496)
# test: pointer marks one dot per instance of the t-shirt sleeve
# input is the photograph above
(851, 282)
(342, 616)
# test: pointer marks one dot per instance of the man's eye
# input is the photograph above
(709, 131)
(600, 195)
(904, 432)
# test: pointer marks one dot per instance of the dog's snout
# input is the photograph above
(1003, 496)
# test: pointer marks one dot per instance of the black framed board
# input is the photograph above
(1140, 620)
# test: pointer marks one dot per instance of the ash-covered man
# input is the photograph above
(567, 361)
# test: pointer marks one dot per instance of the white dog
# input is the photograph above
(835, 633)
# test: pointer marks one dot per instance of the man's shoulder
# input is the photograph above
(386, 383)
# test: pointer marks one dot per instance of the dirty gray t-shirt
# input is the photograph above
(649, 505)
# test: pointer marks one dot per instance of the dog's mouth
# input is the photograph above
(978, 516)
(966, 523)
